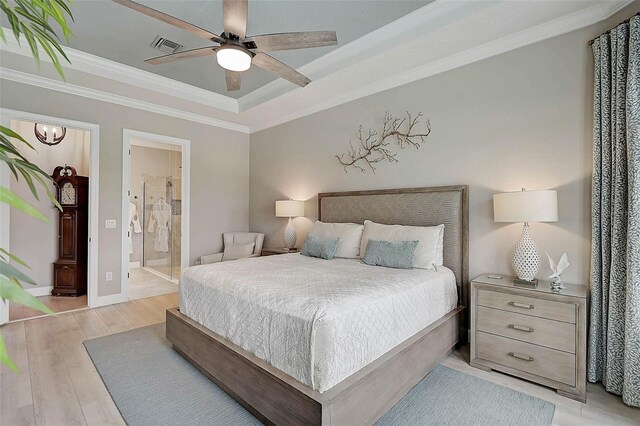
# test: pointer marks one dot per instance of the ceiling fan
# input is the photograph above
(237, 52)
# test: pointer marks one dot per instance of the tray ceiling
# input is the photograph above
(106, 29)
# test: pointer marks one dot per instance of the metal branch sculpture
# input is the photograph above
(373, 147)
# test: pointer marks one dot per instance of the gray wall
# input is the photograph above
(520, 119)
(219, 169)
(74, 151)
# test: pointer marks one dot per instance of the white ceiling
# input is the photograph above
(109, 30)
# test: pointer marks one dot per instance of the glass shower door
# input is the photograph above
(161, 243)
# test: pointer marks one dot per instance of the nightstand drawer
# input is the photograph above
(539, 331)
(526, 357)
(528, 305)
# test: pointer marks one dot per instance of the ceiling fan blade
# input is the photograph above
(235, 17)
(271, 64)
(233, 80)
(287, 41)
(187, 54)
(170, 20)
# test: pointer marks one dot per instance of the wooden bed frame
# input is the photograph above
(277, 398)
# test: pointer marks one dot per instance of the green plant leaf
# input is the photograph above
(32, 42)
(4, 356)
(11, 290)
(11, 198)
(49, 51)
(27, 177)
(29, 18)
(64, 5)
(35, 20)
(14, 258)
(10, 271)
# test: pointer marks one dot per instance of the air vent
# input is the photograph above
(165, 45)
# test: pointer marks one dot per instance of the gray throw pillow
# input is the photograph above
(320, 247)
(237, 251)
(398, 255)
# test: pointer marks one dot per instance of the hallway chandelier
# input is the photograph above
(43, 136)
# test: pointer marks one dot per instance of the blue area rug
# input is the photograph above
(151, 384)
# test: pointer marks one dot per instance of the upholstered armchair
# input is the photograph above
(237, 245)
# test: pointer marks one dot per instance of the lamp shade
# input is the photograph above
(526, 206)
(289, 208)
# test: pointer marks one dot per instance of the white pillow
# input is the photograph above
(430, 241)
(237, 251)
(349, 235)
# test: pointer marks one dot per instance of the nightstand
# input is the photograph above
(278, 250)
(532, 333)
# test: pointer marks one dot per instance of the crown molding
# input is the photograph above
(415, 24)
(102, 67)
(549, 29)
(72, 89)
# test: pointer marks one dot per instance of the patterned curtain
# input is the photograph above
(614, 331)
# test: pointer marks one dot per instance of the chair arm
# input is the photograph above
(211, 258)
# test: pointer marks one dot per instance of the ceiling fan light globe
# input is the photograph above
(233, 58)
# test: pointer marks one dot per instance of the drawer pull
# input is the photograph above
(520, 356)
(520, 305)
(521, 328)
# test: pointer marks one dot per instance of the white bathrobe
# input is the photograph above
(160, 219)
(134, 224)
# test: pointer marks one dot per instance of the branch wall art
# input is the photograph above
(372, 147)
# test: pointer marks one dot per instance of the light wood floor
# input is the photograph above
(60, 386)
(55, 303)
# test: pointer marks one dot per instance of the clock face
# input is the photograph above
(68, 194)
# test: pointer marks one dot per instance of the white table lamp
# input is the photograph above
(526, 206)
(290, 209)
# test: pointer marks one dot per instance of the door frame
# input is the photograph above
(185, 144)
(6, 116)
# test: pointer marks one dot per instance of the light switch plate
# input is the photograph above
(110, 224)
(109, 276)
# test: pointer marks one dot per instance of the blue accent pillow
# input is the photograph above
(320, 247)
(391, 254)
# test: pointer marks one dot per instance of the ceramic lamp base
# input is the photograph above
(526, 258)
(290, 236)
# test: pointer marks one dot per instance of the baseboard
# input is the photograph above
(133, 265)
(39, 291)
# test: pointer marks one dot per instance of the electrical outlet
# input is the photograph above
(110, 224)
(109, 276)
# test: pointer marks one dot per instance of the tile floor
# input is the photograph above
(143, 283)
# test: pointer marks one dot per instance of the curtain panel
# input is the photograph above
(614, 331)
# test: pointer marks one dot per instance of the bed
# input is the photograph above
(299, 340)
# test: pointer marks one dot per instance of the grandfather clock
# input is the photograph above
(70, 270)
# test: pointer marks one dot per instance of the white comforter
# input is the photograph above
(317, 320)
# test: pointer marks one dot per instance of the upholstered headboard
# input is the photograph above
(446, 205)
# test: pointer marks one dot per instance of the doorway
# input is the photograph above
(154, 214)
(63, 143)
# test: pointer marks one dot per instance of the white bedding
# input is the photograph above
(317, 320)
